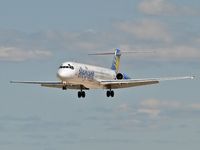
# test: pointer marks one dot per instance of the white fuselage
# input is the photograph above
(83, 74)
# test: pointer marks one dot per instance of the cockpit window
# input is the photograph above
(69, 66)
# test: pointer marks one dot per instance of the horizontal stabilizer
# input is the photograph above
(121, 52)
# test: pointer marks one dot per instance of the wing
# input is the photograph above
(115, 84)
(52, 84)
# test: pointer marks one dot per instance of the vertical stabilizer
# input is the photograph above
(116, 60)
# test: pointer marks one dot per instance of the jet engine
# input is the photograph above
(120, 76)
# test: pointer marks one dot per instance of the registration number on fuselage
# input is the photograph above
(86, 74)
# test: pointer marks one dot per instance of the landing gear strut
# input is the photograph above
(110, 93)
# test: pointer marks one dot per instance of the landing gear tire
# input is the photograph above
(110, 93)
(81, 94)
(64, 87)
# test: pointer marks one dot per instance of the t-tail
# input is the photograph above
(116, 60)
(117, 54)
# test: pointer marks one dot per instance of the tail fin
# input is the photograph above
(116, 60)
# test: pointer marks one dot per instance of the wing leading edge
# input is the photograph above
(52, 84)
(116, 84)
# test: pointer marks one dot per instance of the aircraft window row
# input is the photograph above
(69, 66)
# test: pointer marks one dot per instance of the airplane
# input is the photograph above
(82, 77)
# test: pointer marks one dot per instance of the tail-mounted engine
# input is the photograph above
(121, 76)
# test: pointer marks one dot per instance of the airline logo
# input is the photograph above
(86, 74)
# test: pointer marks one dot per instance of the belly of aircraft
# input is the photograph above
(91, 84)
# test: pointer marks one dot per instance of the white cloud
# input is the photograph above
(142, 35)
(153, 113)
(153, 107)
(17, 54)
(151, 103)
(197, 40)
(154, 103)
(123, 108)
(195, 106)
(178, 53)
(146, 30)
(164, 7)
(149, 113)
(167, 53)
(162, 105)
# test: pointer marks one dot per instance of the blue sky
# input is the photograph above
(37, 36)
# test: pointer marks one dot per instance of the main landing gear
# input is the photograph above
(110, 93)
(81, 94)
(64, 87)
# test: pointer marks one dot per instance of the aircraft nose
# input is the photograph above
(65, 74)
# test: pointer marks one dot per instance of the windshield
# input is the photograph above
(68, 66)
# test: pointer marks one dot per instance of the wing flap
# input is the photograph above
(115, 84)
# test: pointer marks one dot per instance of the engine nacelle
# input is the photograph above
(120, 76)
